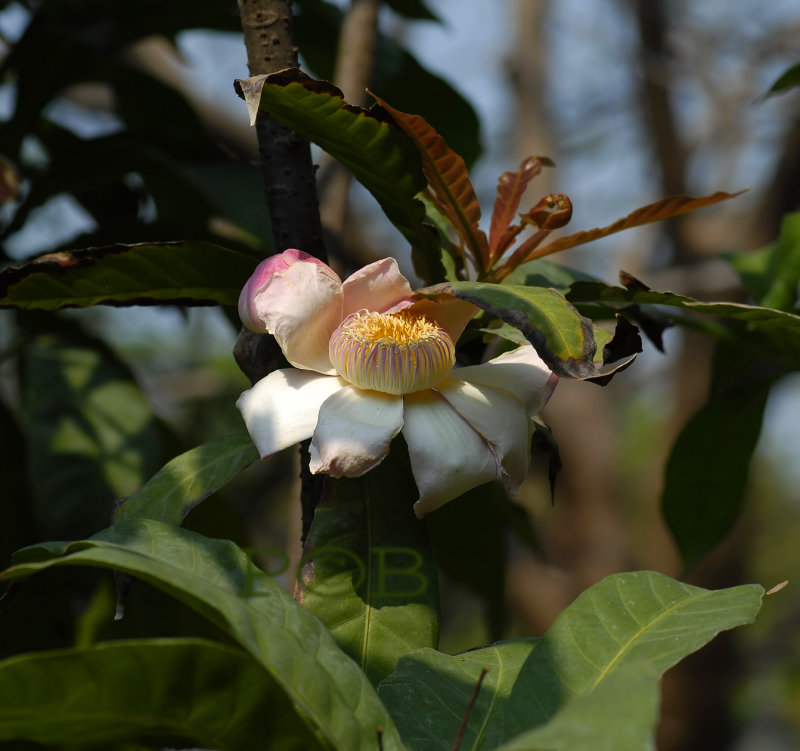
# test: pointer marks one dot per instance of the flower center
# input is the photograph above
(397, 353)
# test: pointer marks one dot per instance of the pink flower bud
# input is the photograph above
(265, 270)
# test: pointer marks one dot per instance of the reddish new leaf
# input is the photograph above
(447, 176)
(510, 188)
(653, 212)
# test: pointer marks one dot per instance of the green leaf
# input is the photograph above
(705, 480)
(371, 577)
(606, 650)
(582, 292)
(430, 692)
(181, 273)
(635, 619)
(778, 269)
(380, 156)
(215, 578)
(189, 479)
(92, 436)
(564, 339)
(787, 80)
(593, 722)
(476, 556)
(186, 691)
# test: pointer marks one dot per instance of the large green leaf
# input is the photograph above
(564, 339)
(430, 693)
(374, 149)
(705, 480)
(215, 577)
(640, 618)
(371, 577)
(184, 273)
(608, 648)
(189, 479)
(186, 691)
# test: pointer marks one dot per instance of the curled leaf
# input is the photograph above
(448, 178)
(653, 212)
(510, 188)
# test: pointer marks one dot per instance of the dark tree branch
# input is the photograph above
(291, 192)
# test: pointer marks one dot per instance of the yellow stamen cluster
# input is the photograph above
(396, 353)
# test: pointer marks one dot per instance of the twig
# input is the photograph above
(470, 707)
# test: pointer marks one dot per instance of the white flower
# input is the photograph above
(369, 362)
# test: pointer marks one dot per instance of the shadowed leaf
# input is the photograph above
(215, 578)
(705, 479)
(449, 181)
(172, 691)
(183, 273)
(653, 212)
(430, 691)
(371, 576)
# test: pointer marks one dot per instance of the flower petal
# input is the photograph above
(354, 431)
(500, 418)
(447, 456)
(282, 408)
(301, 306)
(449, 312)
(521, 372)
(377, 286)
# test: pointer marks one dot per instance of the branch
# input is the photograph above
(291, 192)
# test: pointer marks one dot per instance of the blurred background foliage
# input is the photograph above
(118, 123)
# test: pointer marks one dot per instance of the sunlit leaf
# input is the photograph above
(627, 620)
(607, 649)
(510, 188)
(182, 273)
(380, 156)
(189, 479)
(174, 691)
(449, 181)
(653, 212)
(215, 578)
(563, 338)
(371, 576)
